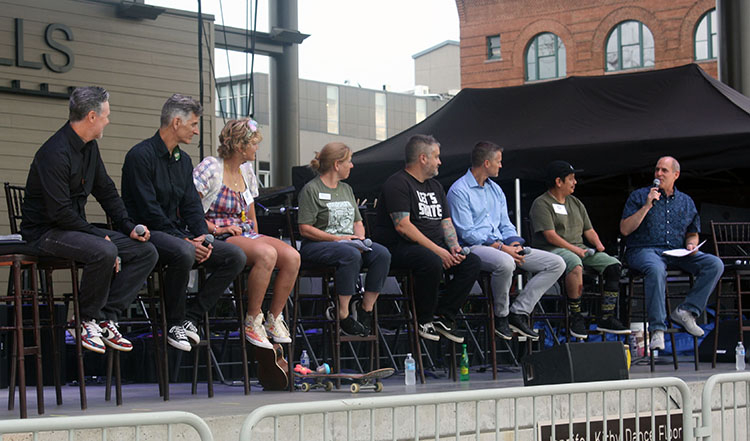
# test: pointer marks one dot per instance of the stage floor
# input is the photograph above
(229, 401)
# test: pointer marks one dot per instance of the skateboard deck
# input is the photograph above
(368, 380)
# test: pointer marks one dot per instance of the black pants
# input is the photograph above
(427, 269)
(100, 296)
(224, 264)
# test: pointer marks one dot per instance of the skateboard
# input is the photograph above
(272, 367)
(368, 380)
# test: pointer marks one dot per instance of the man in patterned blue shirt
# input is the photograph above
(662, 218)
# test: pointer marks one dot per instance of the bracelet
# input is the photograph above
(216, 228)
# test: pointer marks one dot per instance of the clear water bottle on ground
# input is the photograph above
(304, 359)
(410, 366)
(739, 354)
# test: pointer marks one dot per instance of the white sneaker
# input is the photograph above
(657, 340)
(91, 335)
(191, 331)
(686, 320)
(276, 327)
(428, 332)
(177, 339)
(255, 333)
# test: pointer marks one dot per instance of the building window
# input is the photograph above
(545, 58)
(706, 40)
(233, 103)
(630, 46)
(380, 127)
(421, 104)
(493, 47)
(332, 109)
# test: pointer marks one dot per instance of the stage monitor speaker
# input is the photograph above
(728, 338)
(576, 363)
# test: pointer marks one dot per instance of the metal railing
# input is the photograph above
(112, 425)
(661, 406)
(716, 416)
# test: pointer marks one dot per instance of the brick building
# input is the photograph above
(512, 42)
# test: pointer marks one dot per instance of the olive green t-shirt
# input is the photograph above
(333, 210)
(569, 220)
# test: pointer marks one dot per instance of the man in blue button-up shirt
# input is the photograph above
(662, 218)
(480, 214)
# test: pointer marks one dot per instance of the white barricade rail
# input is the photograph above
(125, 426)
(600, 411)
(727, 417)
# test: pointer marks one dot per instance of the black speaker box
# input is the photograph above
(576, 363)
(728, 338)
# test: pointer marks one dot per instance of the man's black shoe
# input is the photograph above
(611, 325)
(447, 329)
(502, 329)
(578, 328)
(349, 326)
(520, 324)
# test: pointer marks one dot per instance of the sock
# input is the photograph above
(609, 301)
(574, 305)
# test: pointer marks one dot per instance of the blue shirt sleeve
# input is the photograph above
(460, 207)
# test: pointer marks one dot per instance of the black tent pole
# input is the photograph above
(200, 74)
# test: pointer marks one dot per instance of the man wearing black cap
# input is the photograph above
(561, 224)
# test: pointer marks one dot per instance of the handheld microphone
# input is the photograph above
(140, 230)
(465, 251)
(208, 240)
(524, 252)
(246, 228)
(367, 242)
(591, 251)
(655, 184)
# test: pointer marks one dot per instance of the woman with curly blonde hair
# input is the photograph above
(228, 188)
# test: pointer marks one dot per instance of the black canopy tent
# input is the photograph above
(606, 125)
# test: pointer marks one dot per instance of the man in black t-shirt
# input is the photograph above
(414, 222)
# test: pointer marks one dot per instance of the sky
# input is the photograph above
(366, 43)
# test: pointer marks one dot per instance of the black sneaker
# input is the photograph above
(176, 338)
(612, 326)
(191, 331)
(428, 332)
(349, 326)
(578, 328)
(364, 318)
(502, 329)
(520, 324)
(446, 328)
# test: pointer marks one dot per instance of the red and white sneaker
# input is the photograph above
(276, 328)
(112, 337)
(255, 332)
(91, 335)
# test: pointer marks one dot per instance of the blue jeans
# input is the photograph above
(650, 262)
(349, 261)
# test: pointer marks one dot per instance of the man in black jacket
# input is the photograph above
(158, 190)
(65, 170)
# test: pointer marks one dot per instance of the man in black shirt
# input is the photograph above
(158, 190)
(414, 222)
(65, 170)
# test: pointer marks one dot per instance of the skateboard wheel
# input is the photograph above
(329, 386)
(378, 387)
(305, 387)
(354, 388)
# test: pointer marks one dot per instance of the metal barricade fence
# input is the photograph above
(727, 417)
(124, 426)
(628, 410)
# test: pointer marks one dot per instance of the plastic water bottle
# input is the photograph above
(304, 359)
(739, 355)
(410, 366)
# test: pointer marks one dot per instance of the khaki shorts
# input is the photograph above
(598, 261)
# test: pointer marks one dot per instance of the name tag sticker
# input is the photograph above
(560, 209)
(247, 196)
(324, 196)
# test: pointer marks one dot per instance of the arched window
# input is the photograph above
(630, 46)
(545, 57)
(706, 40)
